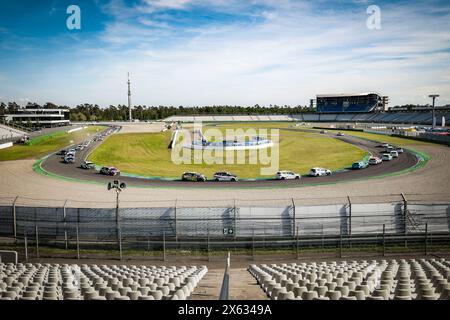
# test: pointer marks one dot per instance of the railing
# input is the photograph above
(225, 289)
(33, 245)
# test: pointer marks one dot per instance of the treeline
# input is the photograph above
(89, 112)
(93, 112)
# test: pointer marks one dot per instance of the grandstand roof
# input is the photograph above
(336, 95)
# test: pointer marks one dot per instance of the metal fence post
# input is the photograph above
(384, 240)
(26, 246)
(405, 212)
(340, 245)
(66, 242)
(37, 241)
(293, 217)
(78, 243)
(120, 245)
(426, 238)
(207, 244)
(117, 217)
(297, 245)
(234, 220)
(164, 245)
(15, 219)
(349, 216)
(253, 244)
(176, 221)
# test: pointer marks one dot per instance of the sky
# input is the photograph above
(234, 52)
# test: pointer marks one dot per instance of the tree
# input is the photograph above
(50, 105)
(12, 107)
(2, 108)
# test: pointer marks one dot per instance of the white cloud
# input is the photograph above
(152, 23)
(150, 6)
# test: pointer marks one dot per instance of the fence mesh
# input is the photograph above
(225, 222)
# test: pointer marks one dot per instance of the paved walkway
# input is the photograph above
(242, 286)
(209, 286)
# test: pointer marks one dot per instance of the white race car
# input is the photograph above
(318, 172)
(287, 175)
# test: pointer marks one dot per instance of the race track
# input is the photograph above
(54, 164)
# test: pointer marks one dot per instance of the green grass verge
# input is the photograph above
(412, 248)
(45, 137)
(146, 154)
(46, 144)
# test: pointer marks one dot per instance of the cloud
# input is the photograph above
(167, 4)
(153, 23)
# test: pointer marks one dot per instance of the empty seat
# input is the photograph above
(93, 282)
(402, 279)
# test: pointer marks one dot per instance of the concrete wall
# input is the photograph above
(6, 145)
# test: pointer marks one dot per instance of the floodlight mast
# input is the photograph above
(433, 96)
(119, 187)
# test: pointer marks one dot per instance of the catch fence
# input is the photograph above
(221, 227)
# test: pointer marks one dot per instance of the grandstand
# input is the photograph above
(8, 133)
(358, 107)
(91, 282)
(355, 102)
(356, 280)
(230, 118)
(418, 117)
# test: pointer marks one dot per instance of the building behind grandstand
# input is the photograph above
(34, 115)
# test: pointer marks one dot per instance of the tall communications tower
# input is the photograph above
(129, 98)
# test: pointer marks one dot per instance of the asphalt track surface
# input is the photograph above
(55, 165)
